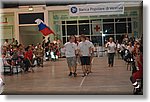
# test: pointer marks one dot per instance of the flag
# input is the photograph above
(43, 28)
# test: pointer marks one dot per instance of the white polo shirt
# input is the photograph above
(70, 49)
(84, 48)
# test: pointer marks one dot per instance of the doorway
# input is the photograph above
(29, 35)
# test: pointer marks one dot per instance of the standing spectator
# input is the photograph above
(48, 42)
(84, 52)
(120, 49)
(43, 42)
(130, 47)
(118, 46)
(6, 43)
(21, 52)
(15, 55)
(39, 54)
(126, 39)
(14, 42)
(111, 51)
(70, 52)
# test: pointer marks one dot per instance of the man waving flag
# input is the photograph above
(45, 30)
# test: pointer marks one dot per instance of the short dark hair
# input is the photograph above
(71, 36)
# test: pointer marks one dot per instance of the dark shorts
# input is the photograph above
(85, 60)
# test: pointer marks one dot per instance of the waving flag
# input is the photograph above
(45, 30)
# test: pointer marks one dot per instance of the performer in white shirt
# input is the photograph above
(70, 53)
(84, 52)
(91, 54)
(111, 51)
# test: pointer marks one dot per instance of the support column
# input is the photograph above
(16, 26)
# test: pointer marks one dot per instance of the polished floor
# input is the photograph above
(53, 79)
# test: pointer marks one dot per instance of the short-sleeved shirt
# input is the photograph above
(84, 48)
(28, 54)
(111, 47)
(70, 49)
(91, 44)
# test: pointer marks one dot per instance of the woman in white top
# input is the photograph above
(111, 51)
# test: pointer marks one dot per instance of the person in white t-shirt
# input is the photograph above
(91, 54)
(84, 52)
(111, 51)
(70, 53)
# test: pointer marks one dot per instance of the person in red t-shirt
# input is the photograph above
(28, 58)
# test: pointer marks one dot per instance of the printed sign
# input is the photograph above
(96, 9)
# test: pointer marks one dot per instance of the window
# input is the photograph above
(64, 40)
(129, 28)
(120, 20)
(113, 27)
(129, 19)
(119, 38)
(121, 28)
(84, 29)
(29, 18)
(108, 20)
(84, 21)
(97, 40)
(63, 30)
(63, 22)
(71, 22)
(108, 28)
(71, 29)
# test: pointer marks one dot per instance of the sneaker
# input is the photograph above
(83, 75)
(70, 74)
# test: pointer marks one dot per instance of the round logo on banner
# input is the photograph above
(74, 9)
